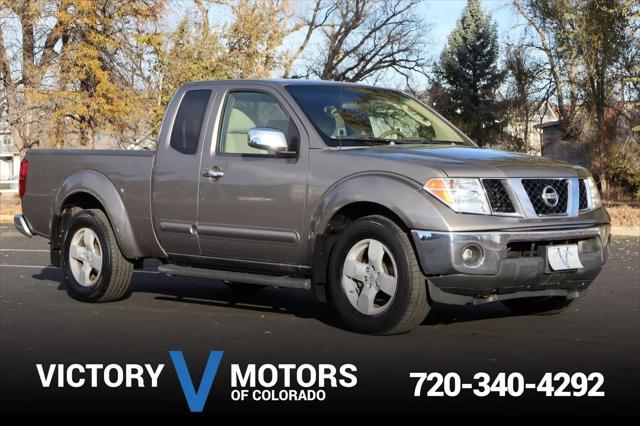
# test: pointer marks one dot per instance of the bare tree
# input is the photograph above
(587, 45)
(27, 52)
(359, 39)
(320, 15)
(562, 64)
(525, 90)
(75, 67)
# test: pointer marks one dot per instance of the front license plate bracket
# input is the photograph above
(565, 257)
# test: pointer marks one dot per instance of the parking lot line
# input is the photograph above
(6, 265)
(28, 250)
(25, 266)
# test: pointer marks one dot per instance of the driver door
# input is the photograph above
(251, 209)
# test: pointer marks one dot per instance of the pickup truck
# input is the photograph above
(365, 196)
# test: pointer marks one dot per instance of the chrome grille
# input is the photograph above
(498, 196)
(541, 194)
(583, 201)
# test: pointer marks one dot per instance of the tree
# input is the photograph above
(586, 44)
(525, 91)
(246, 47)
(320, 15)
(360, 39)
(69, 66)
(24, 63)
(561, 65)
(254, 36)
(100, 85)
(468, 70)
(192, 52)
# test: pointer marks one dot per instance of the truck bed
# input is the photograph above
(129, 171)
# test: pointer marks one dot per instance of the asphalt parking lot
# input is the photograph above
(40, 323)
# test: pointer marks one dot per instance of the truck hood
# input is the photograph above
(457, 161)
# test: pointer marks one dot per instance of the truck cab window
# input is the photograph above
(187, 126)
(245, 110)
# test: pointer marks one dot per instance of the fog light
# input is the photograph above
(471, 255)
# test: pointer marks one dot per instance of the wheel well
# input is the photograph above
(324, 241)
(60, 222)
(81, 200)
(355, 211)
(71, 205)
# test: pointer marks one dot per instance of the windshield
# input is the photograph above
(354, 116)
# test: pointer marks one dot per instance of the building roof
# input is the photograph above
(544, 125)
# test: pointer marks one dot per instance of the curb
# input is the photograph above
(626, 231)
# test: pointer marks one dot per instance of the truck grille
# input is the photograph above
(547, 196)
(584, 203)
(498, 196)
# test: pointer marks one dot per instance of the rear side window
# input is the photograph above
(188, 123)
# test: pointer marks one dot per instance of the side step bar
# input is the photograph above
(239, 277)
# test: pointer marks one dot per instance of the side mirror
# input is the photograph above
(267, 139)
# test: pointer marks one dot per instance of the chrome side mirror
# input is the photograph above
(267, 139)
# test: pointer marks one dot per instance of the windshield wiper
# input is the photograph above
(429, 142)
(385, 141)
(388, 141)
(369, 139)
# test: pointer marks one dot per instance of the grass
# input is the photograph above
(9, 205)
(621, 214)
(624, 215)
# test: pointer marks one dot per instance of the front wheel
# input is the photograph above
(375, 279)
(94, 268)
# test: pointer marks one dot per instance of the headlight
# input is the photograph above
(463, 195)
(596, 201)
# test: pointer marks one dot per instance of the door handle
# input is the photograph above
(213, 173)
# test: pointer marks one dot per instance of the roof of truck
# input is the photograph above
(283, 82)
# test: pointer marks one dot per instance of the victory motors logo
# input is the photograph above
(550, 196)
(252, 382)
(196, 398)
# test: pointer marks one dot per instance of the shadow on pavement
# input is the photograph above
(286, 301)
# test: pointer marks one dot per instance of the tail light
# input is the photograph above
(22, 181)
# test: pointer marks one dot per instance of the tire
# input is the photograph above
(379, 312)
(538, 305)
(104, 272)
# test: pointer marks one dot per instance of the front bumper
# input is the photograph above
(513, 263)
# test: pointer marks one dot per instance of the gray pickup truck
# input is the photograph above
(362, 195)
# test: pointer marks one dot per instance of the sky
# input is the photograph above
(443, 14)
(440, 15)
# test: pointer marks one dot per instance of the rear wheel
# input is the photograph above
(538, 305)
(94, 268)
(376, 282)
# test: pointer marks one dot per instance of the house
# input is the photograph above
(545, 114)
(554, 145)
(9, 160)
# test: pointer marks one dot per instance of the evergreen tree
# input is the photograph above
(469, 73)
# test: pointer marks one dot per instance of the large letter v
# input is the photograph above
(196, 399)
